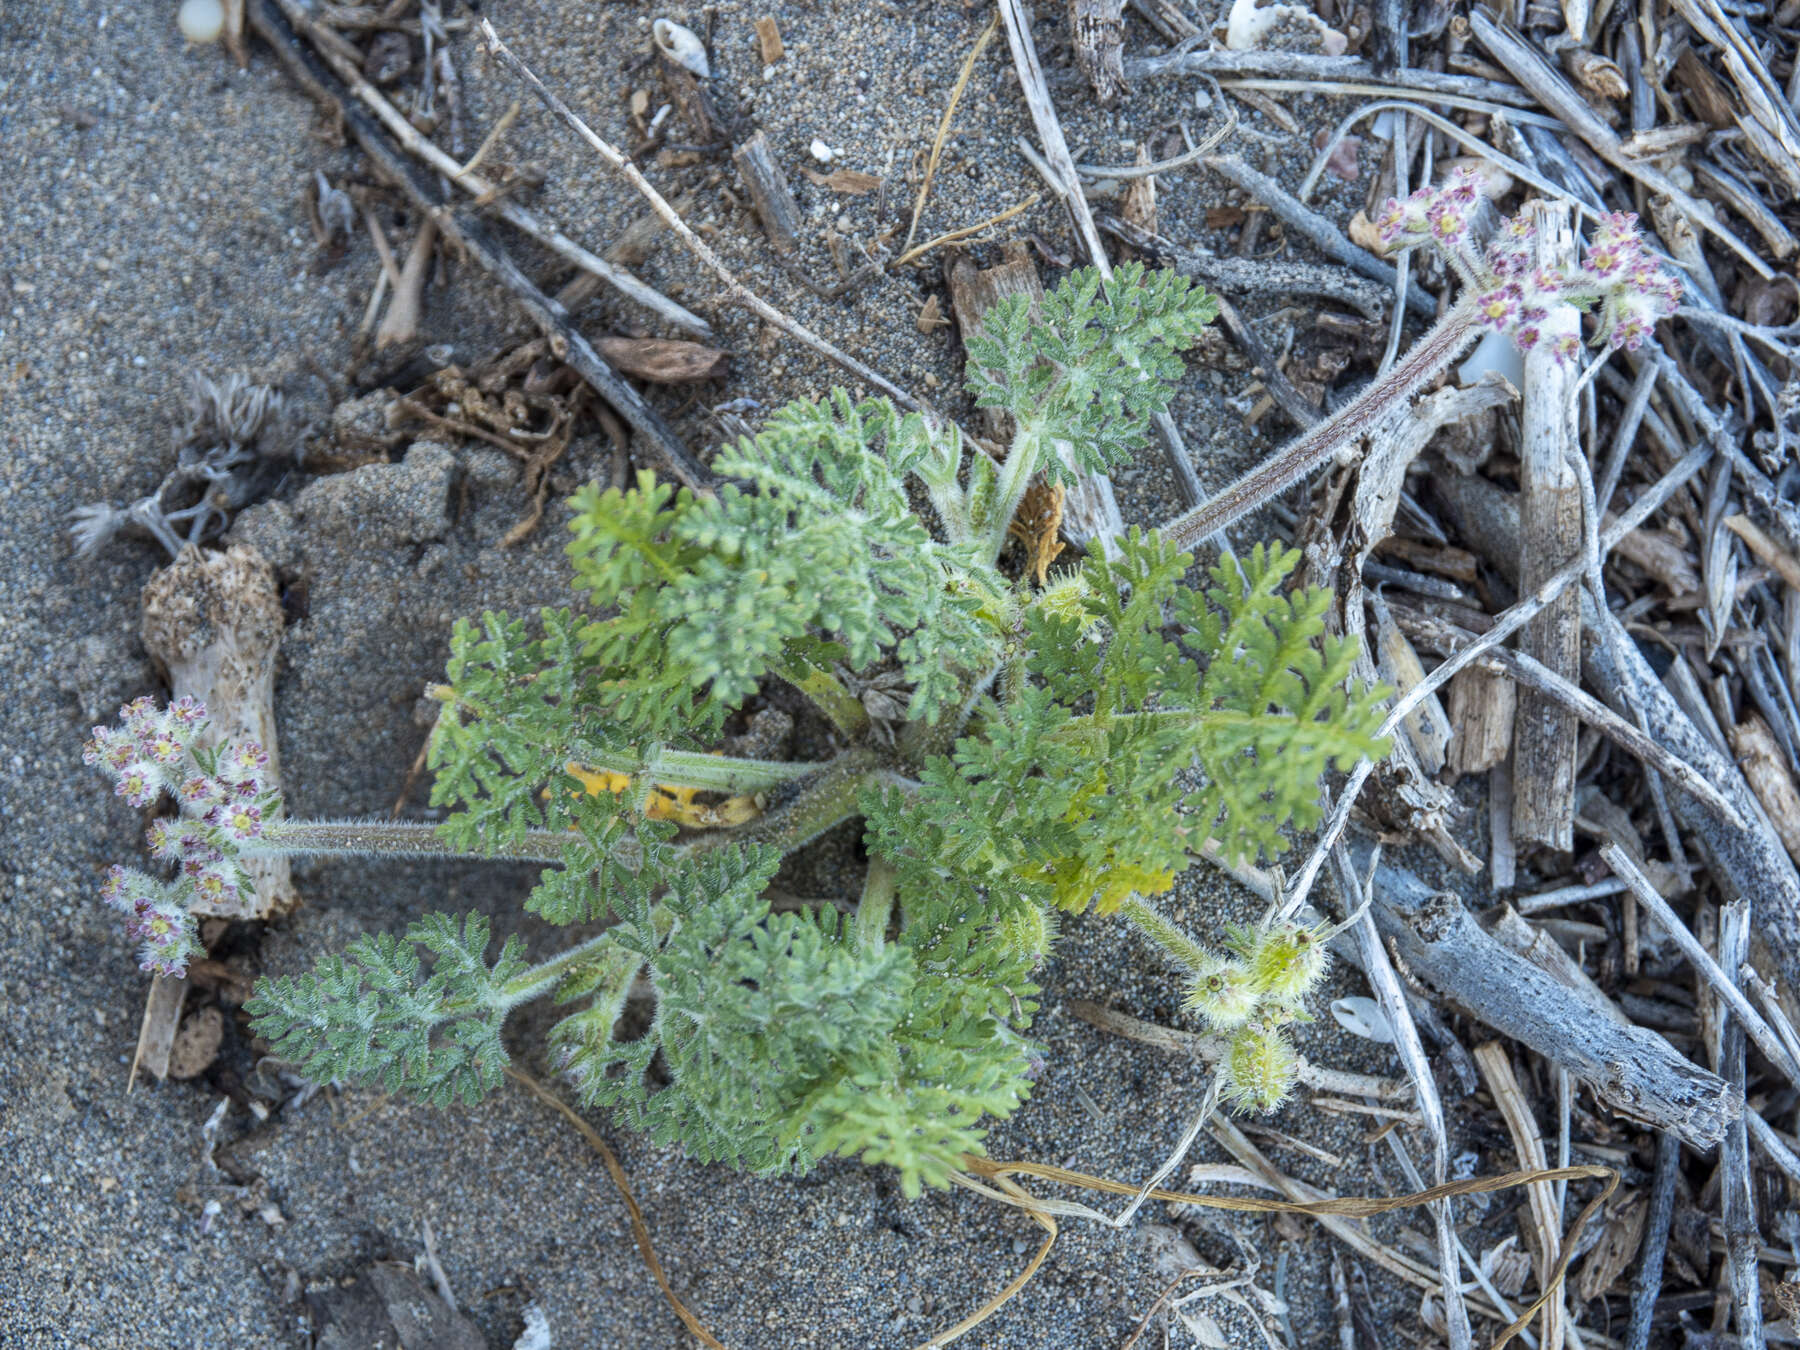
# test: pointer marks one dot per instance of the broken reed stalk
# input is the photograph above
(742, 294)
(1549, 536)
(1503, 1086)
(471, 237)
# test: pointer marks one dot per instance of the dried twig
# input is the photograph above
(472, 238)
(1448, 639)
(1505, 625)
(1636, 1072)
(1722, 984)
(1554, 92)
(1306, 66)
(700, 248)
(1738, 1199)
(1655, 1244)
(413, 142)
(1496, 1068)
(1392, 998)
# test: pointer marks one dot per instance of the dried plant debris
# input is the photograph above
(235, 448)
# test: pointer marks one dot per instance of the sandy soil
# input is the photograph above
(154, 223)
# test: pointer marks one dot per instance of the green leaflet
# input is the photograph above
(699, 596)
(374, 1016)
(1086, 372)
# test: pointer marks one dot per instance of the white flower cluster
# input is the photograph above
(225, 802)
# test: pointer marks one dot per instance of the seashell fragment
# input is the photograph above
(682, 46)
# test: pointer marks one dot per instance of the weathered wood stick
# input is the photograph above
(1549, 537)
(1269, 64)
(1098, 27)
(1752, 859)
(1634, 1071)
(1648, 1282)
(769, 193)
(469, 234)
(1317, 230)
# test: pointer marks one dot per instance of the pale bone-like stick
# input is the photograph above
(213, 622)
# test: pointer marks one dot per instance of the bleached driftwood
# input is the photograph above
(1634, 1071)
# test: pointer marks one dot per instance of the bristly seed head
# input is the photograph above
(1260, 1069)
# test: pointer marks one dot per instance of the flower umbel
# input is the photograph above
(224, 804)
(1629, 287)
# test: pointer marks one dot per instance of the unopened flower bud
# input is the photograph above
(1286, 962)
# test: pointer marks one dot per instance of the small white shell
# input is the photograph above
(821, 151)
(1363, 1017)
(201, 21)
(682, 46)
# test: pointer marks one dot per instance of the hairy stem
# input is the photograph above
(828, 695)
(393, 839)
(829, 797)
(1166, 934)
(699, 769)
(1015, 476)
(1307, 451)
(541, 978)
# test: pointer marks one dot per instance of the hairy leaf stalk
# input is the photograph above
(1446, 340)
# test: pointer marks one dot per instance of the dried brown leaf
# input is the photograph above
(663, 360)
(850, 182)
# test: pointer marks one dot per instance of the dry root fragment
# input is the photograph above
(1038, 526)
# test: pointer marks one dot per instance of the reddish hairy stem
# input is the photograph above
(1307, 451)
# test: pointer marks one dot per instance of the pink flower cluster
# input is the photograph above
(156, 914)
(225, 802)
(1536, 306)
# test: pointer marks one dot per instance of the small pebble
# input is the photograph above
(821, 151)
(201, 21)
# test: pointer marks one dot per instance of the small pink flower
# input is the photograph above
(163, 748)
(1449, 223)
(187, 711)
(139, 784)
(197, 791)
(112, 890)
(1499, 308)
(239, 820)
(247, 757)
(137, 712)
(214, 887)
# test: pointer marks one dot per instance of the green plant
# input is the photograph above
(1055, 750)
